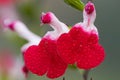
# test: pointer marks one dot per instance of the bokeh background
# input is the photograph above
(107, 22)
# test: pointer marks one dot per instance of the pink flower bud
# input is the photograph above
(46, 18)
(89, 8)
(9, 24)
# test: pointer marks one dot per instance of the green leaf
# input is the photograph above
(77, 4)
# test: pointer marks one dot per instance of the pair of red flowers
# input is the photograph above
(52, 54)
(61, 47)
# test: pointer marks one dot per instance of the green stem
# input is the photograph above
(91, 78)
(85, 74)
(63, 78)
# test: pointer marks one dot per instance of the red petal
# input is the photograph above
(70, 44)
(81, 47)
(93, 39)
(57, 66)
(44, 58)
(65, 48)
(36, 61)
(77, 33)
(91, 57)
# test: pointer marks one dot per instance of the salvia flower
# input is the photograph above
(80, 45)
(41, 55)
(22, 30)
(43, 58)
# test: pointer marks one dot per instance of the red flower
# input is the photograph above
(80, 45)
(41, 55)
(43, 58)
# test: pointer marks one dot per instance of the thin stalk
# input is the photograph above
(85, 74)
(63, 78)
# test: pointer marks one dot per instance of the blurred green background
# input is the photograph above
(107, 22)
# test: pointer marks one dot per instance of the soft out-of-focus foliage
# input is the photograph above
(10, 66)
(107, 23)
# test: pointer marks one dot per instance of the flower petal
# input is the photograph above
(36, 61)
(57, 66)
(80, 46)
(65, 48)
(69, 44)
(91, 56)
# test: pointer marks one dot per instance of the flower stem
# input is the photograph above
(63, 78)
(91, 78)
(85, 74)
